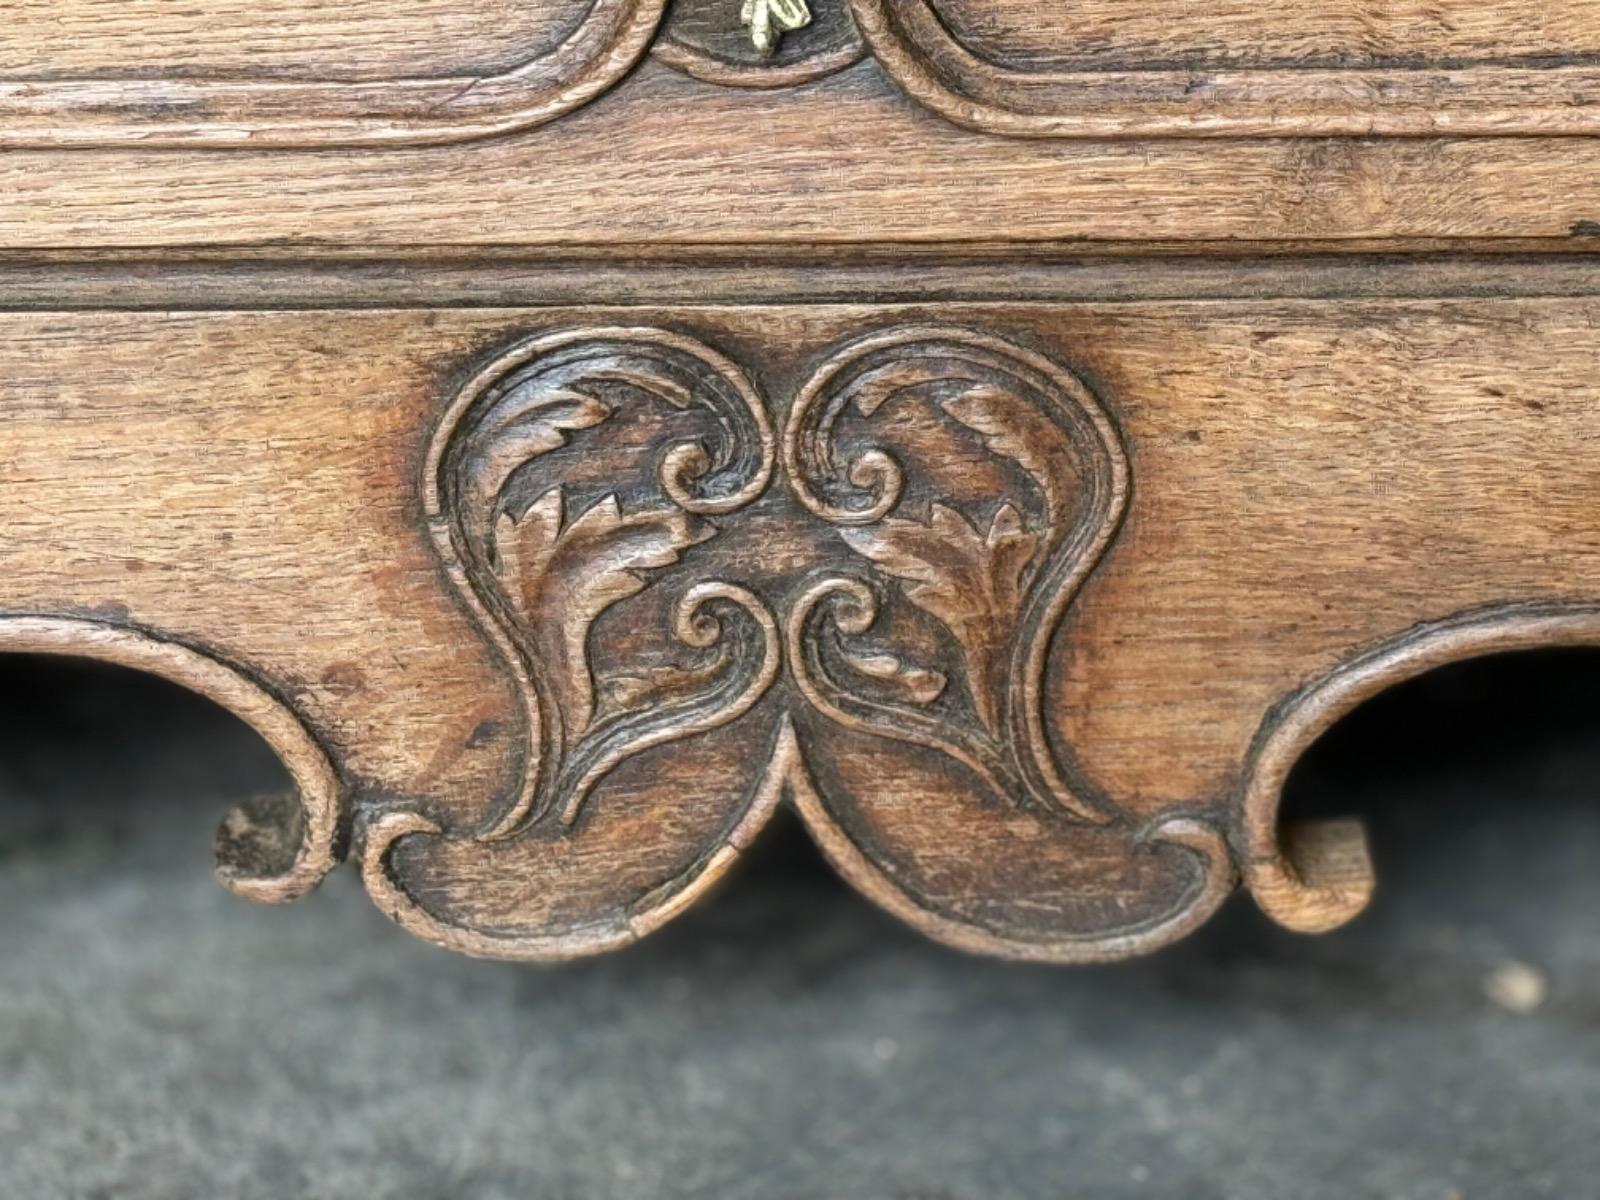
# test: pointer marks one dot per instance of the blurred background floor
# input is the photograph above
(160, 1039)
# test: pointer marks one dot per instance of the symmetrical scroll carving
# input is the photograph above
(600, 499)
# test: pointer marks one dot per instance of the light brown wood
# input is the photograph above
(1008, 433)
(1108, 34)
(847, 160)
(1470, 72)
(282, 39)
(1304, 482)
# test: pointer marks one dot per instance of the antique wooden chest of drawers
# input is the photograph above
(1007, 431)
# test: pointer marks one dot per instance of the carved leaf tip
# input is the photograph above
(652, 686)
(970, 582)
(562, 579)
(531, 428)
(1014, 428)
(921, 685)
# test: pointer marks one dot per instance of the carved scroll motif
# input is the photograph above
(975, 485)
(989, 579)
(546, 557)
(600, 499)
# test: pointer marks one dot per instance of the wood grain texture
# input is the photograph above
(846, 161)
(1118, 34)
(154, 74)
(1016, 94)
(348, 104)
(690, 561)
(277, 39)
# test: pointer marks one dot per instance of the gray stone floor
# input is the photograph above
(160, 1039)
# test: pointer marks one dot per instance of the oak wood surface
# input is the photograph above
(43, 39)
(848, 160)
(1340, 33)
(1308, 479)
(1007, 433)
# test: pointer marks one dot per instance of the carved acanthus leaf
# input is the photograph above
(537, 425)
(921, 685)
(561, 577)
(1014, 428)
(969, 581)
(654, 686)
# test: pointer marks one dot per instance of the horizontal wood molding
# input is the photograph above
(1232, 99)
(978, 87)
(445, 277)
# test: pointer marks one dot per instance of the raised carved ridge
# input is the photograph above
(273, 849)
(601, 501)
(1316, 876)
(917, 50)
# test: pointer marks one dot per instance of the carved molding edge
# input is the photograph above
(1316, 876)
(925, 58)
(860, 630)
(271, 850)
(254, 114)
(700, 39)
(907, 38)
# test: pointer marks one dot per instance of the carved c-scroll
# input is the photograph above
(272, 850)
(1315, 876)
(965, 544)
(543, 548)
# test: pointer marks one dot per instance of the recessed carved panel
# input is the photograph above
(423, 73)
(858, 614)
(1031, 70)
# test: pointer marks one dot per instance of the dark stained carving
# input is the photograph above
(635, 586)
